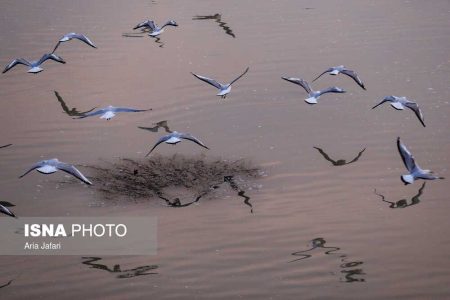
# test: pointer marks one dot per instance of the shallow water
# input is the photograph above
(218, 248)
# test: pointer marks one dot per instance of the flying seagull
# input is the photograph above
(77, 36)
(35, 66)
(52, 165)
(341, 69)
(5, 210)
(400, 103)
(415, 172)
(110, 111)
(155, 30)
(224, 89)
(176, 137)
(313, 95)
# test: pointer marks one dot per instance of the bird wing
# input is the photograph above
(415, 108)
(209, 81)
(94, 113)
(333, 89)
(149, 23)
(326, 71)
(51, 56)
(354, 76)
(192, 138)
(126, 109)
(17, 61)
(407, 157)
(33, 167)
(236, 79)
(68, 168)
(6, 211)
(161, 140)
(382, 101)
(83, 38)
(4, 146)
(300, 82)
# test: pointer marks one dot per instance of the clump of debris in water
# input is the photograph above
(172, 178)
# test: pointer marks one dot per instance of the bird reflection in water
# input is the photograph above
(347, 268)
(227, 179)
(71, 112)
(403, 203)
(138, 271)
(218, 19)
(6, 284)
(4, 146)
(177, 203)
(143, 33)
(340, 162)
(161, 124)
(241, 193)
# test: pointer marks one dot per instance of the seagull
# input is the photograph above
(224, 89)
(415, 172)
(110, 111)
(52, 165)
(341, 69)
(34, 65)
(155, 30)
(313, 95)
(399, 103)
(5, 210)
(176, 137)
(74, 35)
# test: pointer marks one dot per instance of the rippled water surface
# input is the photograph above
(317, 231)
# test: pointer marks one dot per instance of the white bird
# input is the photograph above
(174, 138)
(155, 29)
(415, 172)
(313, 95)
(224, 89)
(35, 66)
(342, 70)
(52, 165)
(110, 111)
(6, 211)
(74, 35)
(400, 103)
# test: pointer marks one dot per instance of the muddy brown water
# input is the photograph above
(317, 231)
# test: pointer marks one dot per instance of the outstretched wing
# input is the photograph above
(407, 157)
(415, 108)
(18, 61)
(333, 89)
(209, 81)
(4, 146)
(149, 23)
(354, 76)
(68, 168)
(192, 138)
(6, 211)
(161, 140)
(33, 167)
(326, 71)
(126, 109)
(236, 79)
(387, 99)
(51, 56)
(94, 113)
(82, 38)
(300, 82)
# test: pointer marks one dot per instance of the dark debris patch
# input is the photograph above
(160, 176)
